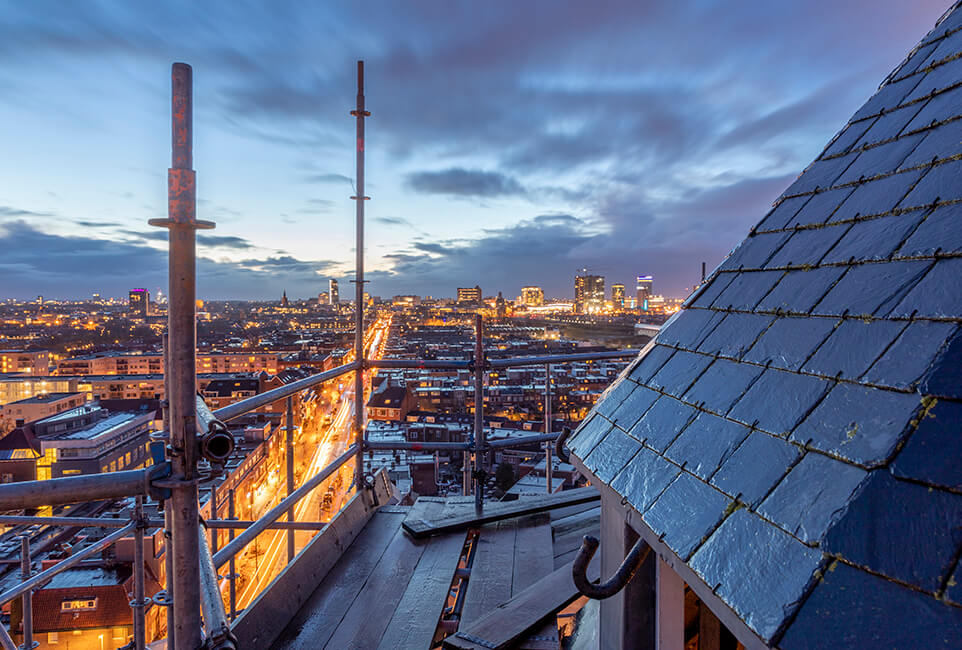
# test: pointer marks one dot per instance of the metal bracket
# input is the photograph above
(559, 445)
(621, 577)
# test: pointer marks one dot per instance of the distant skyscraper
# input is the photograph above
(589, 292)
(323, 298)
(618, 294)
(532, 296)
(644, 287)
(137, 303)
(332, 285)
(500, 307)
(469, 294)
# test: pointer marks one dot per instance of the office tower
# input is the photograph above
(333, 292)
(618, 295)
(644, 287)
(589, 292)
(137, 303)
(469, 294)
(532, 296)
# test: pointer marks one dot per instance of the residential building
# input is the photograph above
(589, 292)
(532, 296)
(35, 363)
(138, 303)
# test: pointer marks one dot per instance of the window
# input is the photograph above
(79, 605)
(53, 638)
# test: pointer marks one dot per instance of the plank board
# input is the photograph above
(316, 621)
(518, 616)
(492, 571)
(417, 615)
(464, 515)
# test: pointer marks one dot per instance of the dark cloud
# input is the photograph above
(464, 182)
(392, 221)
(7, 211)
(328, 178)
(98, 224)
(213, 241)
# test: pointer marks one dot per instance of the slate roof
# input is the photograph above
(795, 432)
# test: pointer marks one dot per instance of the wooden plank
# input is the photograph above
(417, 615)
(462, 518)
(514, 618)
(316, 621)
(533, 554)
(264, 620)
(367, 619)
(709, 629)
(492, 571)
(591, 516)
(670, 608)
(567, 511)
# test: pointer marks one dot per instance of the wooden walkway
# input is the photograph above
(388, 589)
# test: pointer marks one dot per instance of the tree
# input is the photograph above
(504, 476)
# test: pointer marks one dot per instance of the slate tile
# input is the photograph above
(746, 289)
(853, 347)
(888, 96)
(722, 385)
(652, 362)
(812, 496)
(902, 530)
(883, 159)
(611, 398)
(794, 394)
(858, 423)
(872, 289)
(911, 355)
(847, 138)
(820, 207)
(706, 443)
(889, 125)
(938, 109)
(937, 78)
(938, 294)
(874, 239)
(877, 196)
(688, 330)
(588, 434)
(782, 213)
(800, 290)
(943, 182)
(755, 467)
(761, 572)
(953, 592)
(754, 251)
(663, 422)
(790, 340)
(944, 141)
(633, 407)
(915, 61)
(944, 378)
(734, 335)
(807, 247)
(944, 48)
(950, 22)
(932, 453)
(822, 173)
(679, 372)
(851, 608)
(939, 232)
(644, 478)
(685, 513)
(611, 454)
(717, 285)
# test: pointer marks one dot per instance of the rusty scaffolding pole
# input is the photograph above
(359, 113)
(479, 441)
(182, 225)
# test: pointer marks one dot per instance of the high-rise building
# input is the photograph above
(323, 298)
(644, 288)
(618, 295)
(532, 296)
(589, 292)
(501, 307)
(333, 292)
(138, 301)
(469, 294)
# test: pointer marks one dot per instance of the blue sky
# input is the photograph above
(510, 143)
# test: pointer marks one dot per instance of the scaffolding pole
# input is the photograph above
(479, 441)
(547, 427)
(289, 452)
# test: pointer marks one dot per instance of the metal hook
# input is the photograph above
(559, 445)
(621, 577)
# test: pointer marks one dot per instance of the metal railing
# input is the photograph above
(195, 607)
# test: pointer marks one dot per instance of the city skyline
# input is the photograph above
(495, 154)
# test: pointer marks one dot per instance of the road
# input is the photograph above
(259, 568)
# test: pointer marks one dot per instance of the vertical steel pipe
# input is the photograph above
(549, 479)
(181, 370)
(232, 576)
(212, 603)
(289, 451)
(359, 113)
(213, 515)
(27, 598)
(479, 441)
(138, 605)
(168, 516)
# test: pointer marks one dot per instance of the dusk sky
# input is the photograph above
(510, 143)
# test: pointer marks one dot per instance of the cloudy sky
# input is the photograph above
(511, 143)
